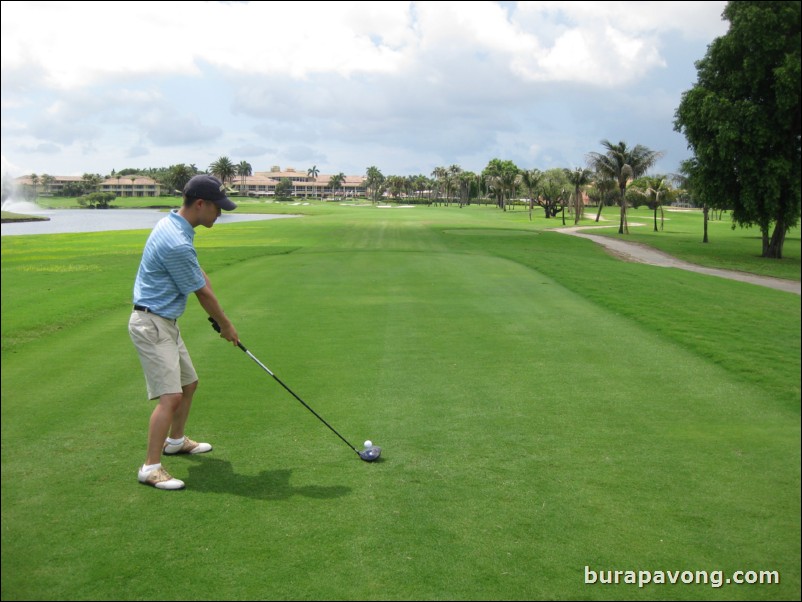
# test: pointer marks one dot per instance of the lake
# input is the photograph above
(62, 221)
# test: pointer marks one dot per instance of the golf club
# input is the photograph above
(371, 454)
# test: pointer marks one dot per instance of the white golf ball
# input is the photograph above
(368, 444)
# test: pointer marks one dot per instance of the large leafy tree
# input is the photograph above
(554, 192)
(623, 164)
(742, 119)
(284, 189)
(178, 176)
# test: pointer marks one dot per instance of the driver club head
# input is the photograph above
(371, 454)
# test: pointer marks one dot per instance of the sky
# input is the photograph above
(343, 86)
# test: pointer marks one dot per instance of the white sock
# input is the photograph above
(149, 467)
(175, 441)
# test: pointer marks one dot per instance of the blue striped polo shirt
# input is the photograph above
(169, 269)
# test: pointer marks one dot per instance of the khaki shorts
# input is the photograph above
(164, 357)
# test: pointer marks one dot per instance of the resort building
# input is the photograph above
(260, 184)
(122, 186)
(303, 185)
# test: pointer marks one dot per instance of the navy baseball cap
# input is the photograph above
(211, 189)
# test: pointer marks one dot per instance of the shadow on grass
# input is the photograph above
(211, 475)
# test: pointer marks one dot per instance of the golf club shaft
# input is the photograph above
(291, 392)
(216, 327)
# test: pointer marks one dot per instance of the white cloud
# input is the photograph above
(79, 43)
(129, 38)
(401, 84)
(545, 40)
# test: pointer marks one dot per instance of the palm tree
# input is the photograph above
(623, 164)
(503, 186)
(439, 174)
(420, 183)
(657, 188)
(223, 169)
(604, 186)
(531, 178)
(47, 181)
(467, 185)
(90, 182)
(335, 182)
(578, 177)
(374, 182)
(244, 169)
(500, 178)
(34, 184)
(494, 188)
(452, 175)
(312, 173)
(510, 180)
(395, 186)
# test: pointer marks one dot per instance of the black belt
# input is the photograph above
(147, 310)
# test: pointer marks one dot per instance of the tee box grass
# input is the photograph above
(544, 409)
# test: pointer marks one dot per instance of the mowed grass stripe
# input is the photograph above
(467, 391)
(528, 432)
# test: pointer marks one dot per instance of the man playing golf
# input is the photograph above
(168, 272)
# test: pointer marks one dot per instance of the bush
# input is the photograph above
(97, 200)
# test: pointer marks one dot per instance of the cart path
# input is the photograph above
(633, 251)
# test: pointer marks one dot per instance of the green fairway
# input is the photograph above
(544, 410)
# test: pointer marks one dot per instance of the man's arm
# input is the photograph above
(212, 306)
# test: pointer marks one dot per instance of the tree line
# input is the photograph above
(741, 120)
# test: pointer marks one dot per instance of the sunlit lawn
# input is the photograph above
(543, 407)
